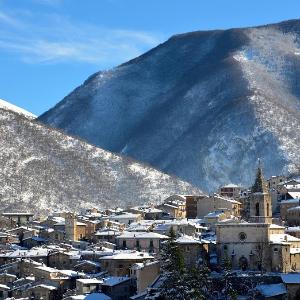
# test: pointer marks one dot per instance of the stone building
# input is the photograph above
(191, 206)
(144, 274)
(88, 285)
(70, 227)
(208, 204)
(146, 241)
(293, 216)
(230, 191)
(287, 204)
(126, 218)
(259, 244)
(195, 251)
(19, 218)
(119, 264)
(175, 206)
(74, 230)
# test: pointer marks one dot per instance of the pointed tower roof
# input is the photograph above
(260, 185)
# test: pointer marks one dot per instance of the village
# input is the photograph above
(251, 234)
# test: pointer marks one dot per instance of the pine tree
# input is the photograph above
(172, 265)
(198, 283)
(226, 263)
(228, 289)
(180, 283)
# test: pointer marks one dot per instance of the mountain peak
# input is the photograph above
(202, 105)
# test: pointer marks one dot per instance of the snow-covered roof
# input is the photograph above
(97, 296)
(187, 239)
(46, 286)
(46, 269)
(138, 266)
(4, 287)
(128, 255)
(89, 262)
(290, 201)
(283, 238)
(111, 281)
(138, 227)
(230, 185)
(214, 214)
(271, 290)
(294, 250)
(125, 216)
(78, 297)
(291, 278)
(146, 209)
(275, 226)
(63, 223)
(33, 252)
(294, 208)
(293, 229)
(17, 214)
(170, 205)
(109, 232)
(71, 273)
(89, 281)
(294, 195)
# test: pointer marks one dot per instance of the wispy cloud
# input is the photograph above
(8, 20)
(56, 39)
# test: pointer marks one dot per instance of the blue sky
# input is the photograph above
(48, 47)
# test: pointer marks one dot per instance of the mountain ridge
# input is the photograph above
(203, 105)
(43, 170)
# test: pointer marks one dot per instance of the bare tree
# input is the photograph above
(260, 252)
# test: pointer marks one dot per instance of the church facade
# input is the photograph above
(256, 243)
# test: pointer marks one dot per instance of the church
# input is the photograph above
(256, 243)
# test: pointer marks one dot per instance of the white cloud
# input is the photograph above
(56, 39)
(8, 20)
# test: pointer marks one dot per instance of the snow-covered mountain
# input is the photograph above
(43, 169)
(8, 106)
(202, 105)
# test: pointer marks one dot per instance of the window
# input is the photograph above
(268, 207)
(151, 244)
(276, 250)
(137, 243)
(242, 236)
(124, 244)
(225, 247)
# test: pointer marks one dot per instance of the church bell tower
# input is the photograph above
(260, 203)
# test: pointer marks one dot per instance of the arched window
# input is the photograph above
(268, 207)
(257, 209)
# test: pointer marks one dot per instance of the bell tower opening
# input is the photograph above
(257, 209)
